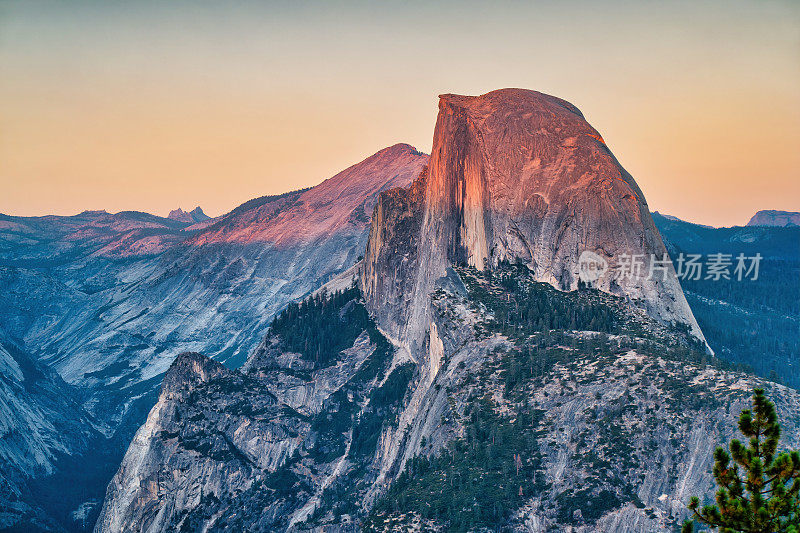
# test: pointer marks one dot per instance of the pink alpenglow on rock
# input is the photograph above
(514, 175)
(341, 202)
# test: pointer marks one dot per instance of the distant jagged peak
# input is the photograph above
(93, 212)
(772, 217)
(198, 215)
(180, 215)
(191, 217)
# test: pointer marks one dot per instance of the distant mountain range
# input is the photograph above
(109, 300)
(770, 241)
(676, 219)
(755, 323)
(768, 218)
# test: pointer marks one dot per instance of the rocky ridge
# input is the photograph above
(107, 324)
(109, 301)
(194, 216)
(613, 425)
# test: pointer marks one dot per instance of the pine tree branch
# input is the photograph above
(701, 518)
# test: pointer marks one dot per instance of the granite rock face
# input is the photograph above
(110, 300)
(339, 203)
(247, 449)
(41, 421)
(619, 426)
(519, 176)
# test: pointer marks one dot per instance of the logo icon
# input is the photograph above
(591, 266)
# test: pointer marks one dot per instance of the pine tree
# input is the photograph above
(764, 498)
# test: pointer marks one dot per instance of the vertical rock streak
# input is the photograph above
(517, 176)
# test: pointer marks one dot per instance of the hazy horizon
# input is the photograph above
(150, 107)
(188, 208)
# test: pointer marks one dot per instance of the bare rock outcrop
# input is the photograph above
(194, 216)
(562, 429)
(782, 219)
(519, 176)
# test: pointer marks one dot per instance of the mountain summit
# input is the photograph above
(337, 204)
(771, 217)
(192, 217)
(514, 176)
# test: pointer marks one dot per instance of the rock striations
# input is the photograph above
(108, 324)
(41, 422)
(519, 176)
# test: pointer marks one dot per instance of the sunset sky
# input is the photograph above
(154, 105)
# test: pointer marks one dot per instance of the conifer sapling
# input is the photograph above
(758, 490)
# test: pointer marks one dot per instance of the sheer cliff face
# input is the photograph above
(41, 421)
(519, 176)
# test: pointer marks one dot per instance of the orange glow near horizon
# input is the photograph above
(152, 108)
